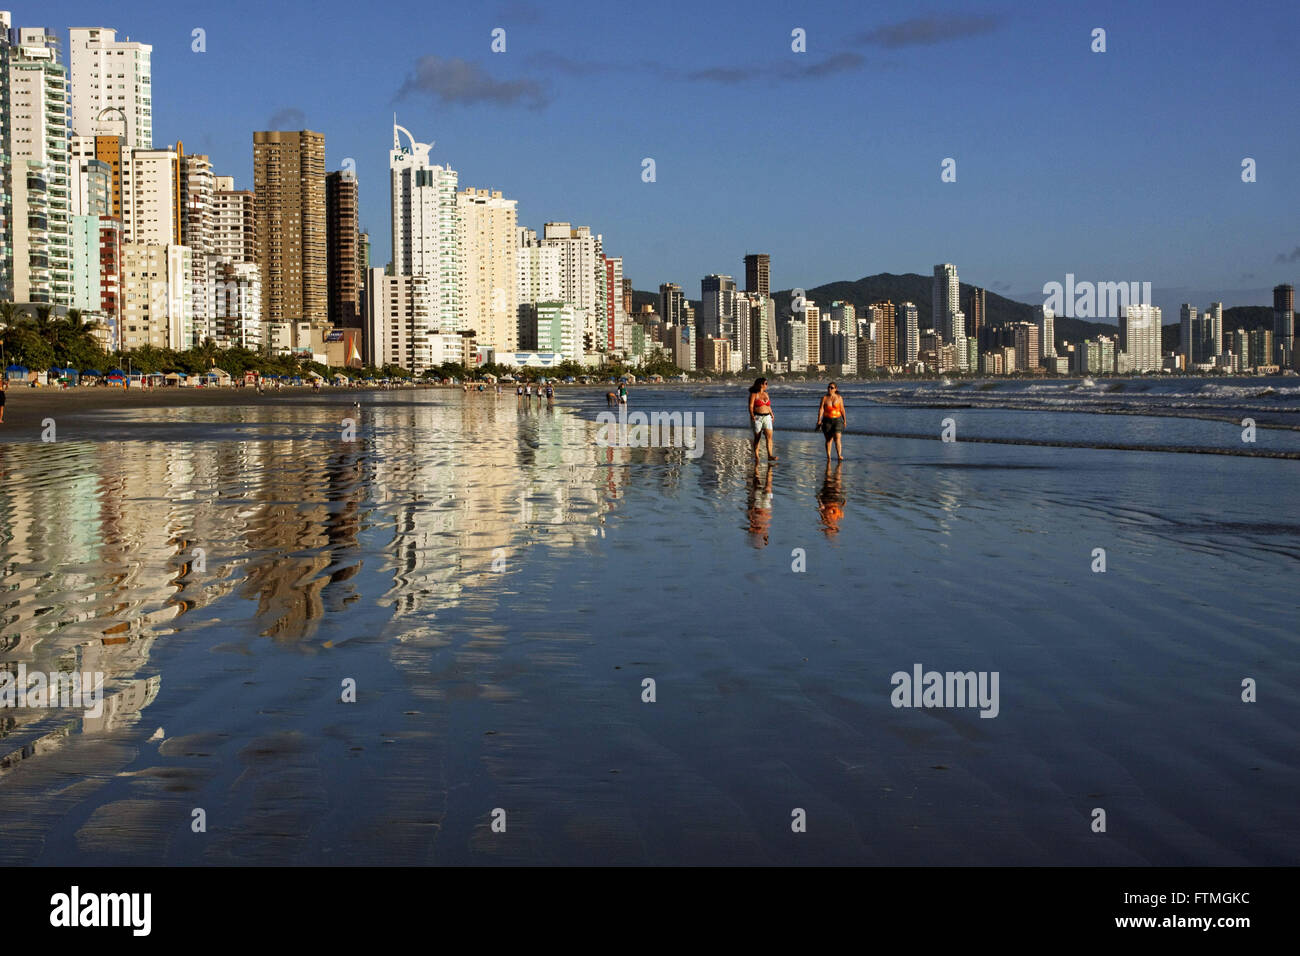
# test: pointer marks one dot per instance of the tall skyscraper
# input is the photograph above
(615, 317)
(111, 76)
(884, 317)
(1026, 346)
(289, 225)
(949, 320)
(1139, 335)
(36, 174)
(1284, 326)
(718, 307)
(233, 232)
(582, 277)
(197, 190)
(909, 333)
(424, 221)
(1045, 319)
(1215, 316)
(812, 315)
(1188, 336)
(976, 311)
(671, 300)
(341, 234)
(758, 269)
(487, 239)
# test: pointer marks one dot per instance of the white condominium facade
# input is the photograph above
(36, 241)
(424, 225)
(400, 321)
(1139, 332)
(111, 77)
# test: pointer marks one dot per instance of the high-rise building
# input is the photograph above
(236, 303)
(883, 316)
(557, 330)
(909, 333)
(1284, 326)
(718, 307)
(812, 315)
(1139, 337)
(289, 225)
(1045, 319)
(615, 317)
(671, 300)
(538, 268)
(758, 270)
(976, 312)
(1214, 314)
(949, 320)
(797, 344)
(233, 231)
(36, 174)
(424, 221)
(1027, 346)
(487, 238)
(582, 277)
(399, 321)
(156, 296)
(111, 77)
(1188, 322)
(341, 234)
(106, 148)
(197, 189)
(152, 209)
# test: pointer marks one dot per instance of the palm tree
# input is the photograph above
(8, 311)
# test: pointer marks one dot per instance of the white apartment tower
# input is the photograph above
(949, 321)
(1045, 319)
(400, 327)
(487, 237)
(111, 77)
(36, 176)
(582, 274)
(1139, 332)
(232, 221)
(424, 218)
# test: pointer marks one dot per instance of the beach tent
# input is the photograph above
(91, 376)
(340, 379)
(64, 375)
(174, 378)
(16, 373)
(489, 377)
(217, 376)
(312, 373)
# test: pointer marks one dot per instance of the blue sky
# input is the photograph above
(1115, 166)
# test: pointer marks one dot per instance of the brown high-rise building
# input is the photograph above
(758, 273)
(289, 225)
(885, 317)
(976, 313)
(341, 241)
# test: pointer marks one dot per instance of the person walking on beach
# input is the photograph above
(4, 389)
(830, 419)
(760, 416)
(550, 394)
(622, 394)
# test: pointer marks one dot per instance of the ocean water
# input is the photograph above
(498, 586)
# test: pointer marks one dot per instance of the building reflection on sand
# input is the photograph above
(108, 546)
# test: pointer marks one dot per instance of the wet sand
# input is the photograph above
(499, 587)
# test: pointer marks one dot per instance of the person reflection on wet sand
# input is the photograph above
(830, 500)
(760, 507)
